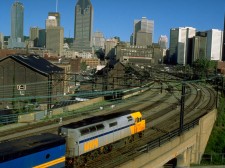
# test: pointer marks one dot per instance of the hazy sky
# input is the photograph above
(116, 17)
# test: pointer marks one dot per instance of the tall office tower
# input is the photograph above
(163, 40)
(180, 45)
(199, 46)
(98, 40)
(214, 44)
(56, 15)
(223, 57)
(83, 26)
(34, 35)
(17, 16)
(54, 36)
(143, 32)
(1, 41)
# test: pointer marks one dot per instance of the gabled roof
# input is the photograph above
(36, 63)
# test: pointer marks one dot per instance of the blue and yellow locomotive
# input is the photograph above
(99, 133)
(37, 151)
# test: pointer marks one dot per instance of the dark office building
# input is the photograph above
(199, 46)
(42, 38)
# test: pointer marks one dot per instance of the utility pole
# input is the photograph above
(182, 108)
(49, 91)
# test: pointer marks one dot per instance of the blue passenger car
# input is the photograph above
(44, 150)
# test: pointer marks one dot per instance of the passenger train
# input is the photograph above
(38, 151)
(96, 135)
(77, 142)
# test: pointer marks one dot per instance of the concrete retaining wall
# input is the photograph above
(82, 104)
(26, 118)
(57, 111)
(35, 116)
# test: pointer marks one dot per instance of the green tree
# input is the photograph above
(203, 67)
(83, 66)
(216, 143)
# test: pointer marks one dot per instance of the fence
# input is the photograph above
(8, 119)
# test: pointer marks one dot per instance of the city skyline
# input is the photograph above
(116, 18)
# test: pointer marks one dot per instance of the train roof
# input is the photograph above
(96, 119)
(21, 147)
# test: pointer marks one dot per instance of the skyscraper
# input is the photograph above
(17, 16)
(180, 49)
(214, 44)
(83, 26)
(143, 32)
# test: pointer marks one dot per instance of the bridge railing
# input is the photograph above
(168, 136)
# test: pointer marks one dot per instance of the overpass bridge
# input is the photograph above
(186, 148)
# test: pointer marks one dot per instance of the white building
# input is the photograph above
(214, 44)
(179, 40)
(1, 41)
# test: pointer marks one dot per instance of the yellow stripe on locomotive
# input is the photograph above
(139, 124)
(51, 163)
(90, 145)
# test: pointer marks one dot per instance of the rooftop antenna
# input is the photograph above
(56, 6)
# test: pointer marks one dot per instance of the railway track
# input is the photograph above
(161, 129)
(168, 113)
(52, 125)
